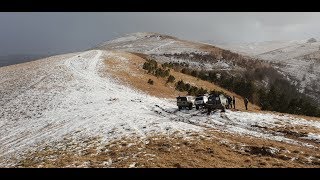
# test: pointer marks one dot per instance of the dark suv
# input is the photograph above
(185, 101)
(214, 102)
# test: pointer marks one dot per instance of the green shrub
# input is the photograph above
(150, 81)
(171, 79)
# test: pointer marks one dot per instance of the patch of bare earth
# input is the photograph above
(131, 73)
(212, 149)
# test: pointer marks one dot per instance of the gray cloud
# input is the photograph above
(67, 32)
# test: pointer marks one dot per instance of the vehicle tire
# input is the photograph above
(209, 110)
(223, 109)
(197, 107)
(180, 108)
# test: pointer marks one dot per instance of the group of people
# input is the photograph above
(232, 102)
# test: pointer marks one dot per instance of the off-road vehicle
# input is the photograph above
(216, 102)
(200, 101)
(185, 101)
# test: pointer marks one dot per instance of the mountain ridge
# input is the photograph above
(295, 60)
(80, 110)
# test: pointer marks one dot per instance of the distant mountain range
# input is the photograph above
(298, 60)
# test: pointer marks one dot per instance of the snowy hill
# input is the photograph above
(65, 96)
(171, 49)
(257, 48)
(298, 60)
(68, 111)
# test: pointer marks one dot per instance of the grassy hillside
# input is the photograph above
(130, 72)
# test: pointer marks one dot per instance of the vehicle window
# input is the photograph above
(199, 98)
(181, 98)
(212, 98)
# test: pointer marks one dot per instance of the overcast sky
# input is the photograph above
(66, 32)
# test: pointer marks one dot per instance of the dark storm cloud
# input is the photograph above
(67, 32)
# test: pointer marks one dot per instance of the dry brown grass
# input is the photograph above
(214, 149)
(131, 72)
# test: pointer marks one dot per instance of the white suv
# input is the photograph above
(200, 101)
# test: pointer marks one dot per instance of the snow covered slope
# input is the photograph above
(298, 60)
(67, 96)
(171, 49)
(257, 48)
(148, 43)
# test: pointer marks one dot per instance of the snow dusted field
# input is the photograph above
(261, 125)
(75, 101)
(64, 96)
(257, 48)
(148, 43)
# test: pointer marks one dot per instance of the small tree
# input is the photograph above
(187, 86)
(166, 72)
(194, 73)
(193, 90)
(171, 79)
(202, 91)
(180, 85)
(150, 81)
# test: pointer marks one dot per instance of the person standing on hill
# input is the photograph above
(234, 102)
(246, 101)
(229, 102)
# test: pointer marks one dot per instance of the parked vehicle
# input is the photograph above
(200, 101)
(185, 101)
(224, 100)
(216, 102)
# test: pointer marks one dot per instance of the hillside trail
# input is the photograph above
(74, 101)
